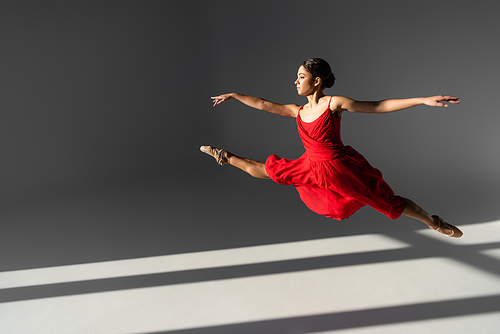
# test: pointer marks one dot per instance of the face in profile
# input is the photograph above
(305, 82)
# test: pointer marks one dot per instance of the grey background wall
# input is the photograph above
(104, 106)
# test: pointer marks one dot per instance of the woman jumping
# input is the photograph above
(333, 180)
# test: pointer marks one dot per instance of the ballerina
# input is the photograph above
(332, 179)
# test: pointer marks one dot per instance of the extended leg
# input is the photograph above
(413, 210)
(253, 167)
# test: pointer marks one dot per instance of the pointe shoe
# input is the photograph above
(218, 153)
(446, 228)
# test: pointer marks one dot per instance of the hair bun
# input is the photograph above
(319, 68)
(329, 81)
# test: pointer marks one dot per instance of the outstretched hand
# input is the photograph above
(441, 100)
(221, 98)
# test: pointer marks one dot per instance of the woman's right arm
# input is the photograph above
(289, 110)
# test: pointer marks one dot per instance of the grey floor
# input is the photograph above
(168, 256)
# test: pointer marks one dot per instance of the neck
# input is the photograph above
(314, 98)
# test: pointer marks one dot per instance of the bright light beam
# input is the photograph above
(199, 260)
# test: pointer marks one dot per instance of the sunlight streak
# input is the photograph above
(199, 260)
(493, 253)
(260, 298)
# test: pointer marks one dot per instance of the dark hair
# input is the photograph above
(320, 68)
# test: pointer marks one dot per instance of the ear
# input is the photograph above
(317, 81)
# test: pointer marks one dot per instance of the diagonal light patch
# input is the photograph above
(368, 291)
(199, 260)
(493, 253)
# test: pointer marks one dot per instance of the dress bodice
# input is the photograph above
(321, 137)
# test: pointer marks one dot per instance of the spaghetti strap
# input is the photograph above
(298, 112)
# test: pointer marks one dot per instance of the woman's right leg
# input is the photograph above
(413, 210)
(253, 167)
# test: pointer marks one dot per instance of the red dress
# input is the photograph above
(333, 180)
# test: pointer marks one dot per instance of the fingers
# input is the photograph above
(216, 100)
(442, 100)
(450, 99)
(219, 99)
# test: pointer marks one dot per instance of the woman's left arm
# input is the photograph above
(385, 106)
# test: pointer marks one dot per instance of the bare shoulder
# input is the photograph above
(288, 110)
(337, 104)
(292, 110)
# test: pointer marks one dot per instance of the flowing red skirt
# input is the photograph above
(337, 188)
